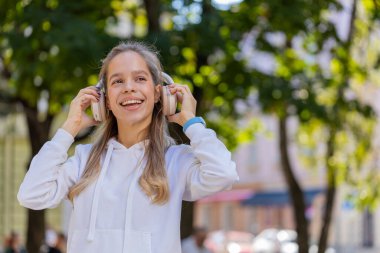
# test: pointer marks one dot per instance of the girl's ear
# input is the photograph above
(157, 93)
(108, 107)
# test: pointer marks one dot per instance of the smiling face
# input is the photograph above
(131, 92)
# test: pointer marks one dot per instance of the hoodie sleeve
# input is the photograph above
(50, 174)
(208, 162)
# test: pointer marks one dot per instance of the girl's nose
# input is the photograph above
(129, 86)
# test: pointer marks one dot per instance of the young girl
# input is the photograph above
(127, 187)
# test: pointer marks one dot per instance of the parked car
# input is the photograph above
(275, 241)
(280, 241)
(314, 249)
(229, 242)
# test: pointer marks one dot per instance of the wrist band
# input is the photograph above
(193, 121)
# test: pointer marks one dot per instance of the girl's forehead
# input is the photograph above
(128, 61)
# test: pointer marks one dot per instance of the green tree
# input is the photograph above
(299, 86)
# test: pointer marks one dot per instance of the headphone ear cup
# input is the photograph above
(169, 101)
(99, 110)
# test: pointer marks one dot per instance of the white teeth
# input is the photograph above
(128, 102)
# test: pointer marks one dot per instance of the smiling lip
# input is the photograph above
(131, 103)
(132, 107)
(132, 100)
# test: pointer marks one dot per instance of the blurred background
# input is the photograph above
(290, 86)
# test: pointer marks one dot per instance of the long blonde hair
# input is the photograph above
(153, 180)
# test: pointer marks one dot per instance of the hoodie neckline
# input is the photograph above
(119, 146)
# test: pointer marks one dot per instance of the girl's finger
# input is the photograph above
(89, 90)
(187, 88)
(86, 99)
(179, 85)
(179, 97)
(179, 89)
(184, 86)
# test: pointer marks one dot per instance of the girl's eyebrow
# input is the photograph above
(136, 72)
(113, 75)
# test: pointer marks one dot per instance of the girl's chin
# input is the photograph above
(132, 119)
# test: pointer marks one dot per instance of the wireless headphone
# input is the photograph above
(169, 101)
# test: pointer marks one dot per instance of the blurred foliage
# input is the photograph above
(313, 75)
(318, 75)
(52, 48)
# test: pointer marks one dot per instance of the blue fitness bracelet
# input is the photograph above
(193, 121)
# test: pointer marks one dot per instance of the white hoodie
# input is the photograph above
(113, 215)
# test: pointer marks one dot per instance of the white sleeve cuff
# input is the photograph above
(64, 138)
(193, 129)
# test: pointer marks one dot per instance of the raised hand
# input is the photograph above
(77, 119)
(188, 104)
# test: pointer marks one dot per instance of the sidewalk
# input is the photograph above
(356, 250)
(366, 250)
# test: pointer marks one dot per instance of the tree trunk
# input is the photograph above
(38, 135)
(187, 219)
(152, 8)
(327, 217)
(331, 187)
(295, 190)
(368, 226)
(36, 230)
(330, 195)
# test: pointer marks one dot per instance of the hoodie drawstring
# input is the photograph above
(128, 209)
(95, 202)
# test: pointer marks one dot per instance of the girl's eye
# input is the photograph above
(141, 79)
(116, 81)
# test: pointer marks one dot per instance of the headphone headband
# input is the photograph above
(100, 85)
